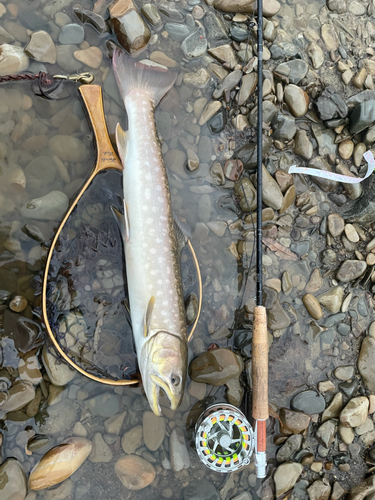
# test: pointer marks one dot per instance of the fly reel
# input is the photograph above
(224, 438)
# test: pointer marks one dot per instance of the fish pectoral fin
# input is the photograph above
(121, 141)
(183, 233)
(122, 221)
(148, 315)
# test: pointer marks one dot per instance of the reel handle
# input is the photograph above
(260, 364)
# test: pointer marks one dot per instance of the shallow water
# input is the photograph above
(89, 268)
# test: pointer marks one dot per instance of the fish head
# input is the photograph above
(165, 368)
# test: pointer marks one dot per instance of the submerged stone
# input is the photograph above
(362, 116)
(131, 31)
(216, 367)
(309, 402)
(366, 365)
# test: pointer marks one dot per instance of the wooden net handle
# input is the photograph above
(260, 364)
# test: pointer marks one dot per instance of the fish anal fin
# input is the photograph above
(122, 221)
(121, 141)
(148, 315)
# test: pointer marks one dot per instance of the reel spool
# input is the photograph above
(224, 439)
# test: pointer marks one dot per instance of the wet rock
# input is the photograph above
(65, 58)
(362, 116)
(132, 439)
(248, 153)
(59, 463)
(346, 434)
(355, 412)
(12, 480)
(215, 26)
(201, 489)
(284, 127)
(12, 59)
(60, 418)
(294, 70)
(325, 139)
(344, 372)
(336, 224)
(217, 123)
(296, 99)
(350, 270)
(29, 368)
(338, 6)
(161, 58)
(291, 445)
(68, 148)
(302, 145)
(224, 54)
(363, 210)
(366, 364)
(153, 430)
(105, 404)
(334, 408)
(198, 79)
(269, 113)
(363, 489)
(178, 452)
(71, 34)
(277, 318)
(331, 105)
(246, 193)
(272, 195)
(113, 424)
(330, 37)
(294, 422)
(101, 452)
(18, 303)
(134, 472)
(131, 31)
(41, 47)
(319, 490)
(312, 306)
(92, 18)
(316, 54)
(325, 435)
(19, 395)
(365, 428)
(349, 388)
(233, 169)
(248, 86)
(229, 82)
(52, 206)
(195, 45)
(91, 57)
(309, 402)
(58, 371)
(216, 367)
(286, 476)
(209, 111)
(332, 299)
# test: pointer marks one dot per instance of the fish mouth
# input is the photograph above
(159, 383)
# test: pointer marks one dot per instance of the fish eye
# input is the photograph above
(175, 380)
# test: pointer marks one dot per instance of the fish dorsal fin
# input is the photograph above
(122, 221)
(148, 315)
(183, 233)
(121, 141)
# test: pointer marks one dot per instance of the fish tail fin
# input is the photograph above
(131, 74)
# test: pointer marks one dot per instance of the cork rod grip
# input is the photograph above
(260, 364)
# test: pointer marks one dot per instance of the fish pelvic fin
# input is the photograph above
(121, 142)
(130, 75)
(148, 315)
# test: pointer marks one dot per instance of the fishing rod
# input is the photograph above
(259, 343)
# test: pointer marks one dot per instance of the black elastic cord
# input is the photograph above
(259, 153)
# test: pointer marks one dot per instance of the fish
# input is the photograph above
(153, 238)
